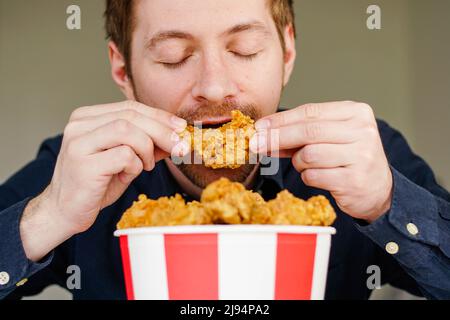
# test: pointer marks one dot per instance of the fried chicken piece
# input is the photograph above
(226, 202)
(230, 203)
(163, 212)
(290, 210)
(321, 211)
(225, 147)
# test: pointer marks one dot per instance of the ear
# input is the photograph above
(290, 53)
(118, 71)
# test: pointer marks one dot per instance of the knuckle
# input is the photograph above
(309, 176)
(150, 147)
(132, 105)
(70, 128)
(77, 113)
(312, 131)
(281, 120)
(366, 111)
(152, 165)
(122, 126)
(372, 132)
(139, 167)
(127, 154)
(312, 111)
(130, 115)
(296, 163)
(308, 154)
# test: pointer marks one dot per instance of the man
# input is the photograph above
(178, 62)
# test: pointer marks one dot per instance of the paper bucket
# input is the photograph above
(232, 262)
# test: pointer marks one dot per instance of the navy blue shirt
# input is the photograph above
(421, 265)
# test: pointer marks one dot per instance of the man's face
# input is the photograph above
(200, 59)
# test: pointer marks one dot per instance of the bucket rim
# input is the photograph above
(202, 229)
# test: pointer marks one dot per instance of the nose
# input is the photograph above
(214, 83)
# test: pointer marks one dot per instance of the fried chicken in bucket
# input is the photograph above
(226, 202)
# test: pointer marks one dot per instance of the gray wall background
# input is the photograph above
(402, 71)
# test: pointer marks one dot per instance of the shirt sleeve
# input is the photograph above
(15, 268)
(416, 230)
(18, 275)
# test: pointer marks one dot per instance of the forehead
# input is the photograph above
(199, 17)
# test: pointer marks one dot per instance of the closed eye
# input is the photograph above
(245, 56)
(176, 64)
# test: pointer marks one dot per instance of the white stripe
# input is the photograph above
(148, 267)
(247, 265)
(322, 254)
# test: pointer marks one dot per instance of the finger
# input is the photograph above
(328, 111)
(282, 153)
(300, 135)
(129, 108)
(115, 134)
(121, 160)
(323, 156)
(331, 180)
(163, 137)
(160, 154)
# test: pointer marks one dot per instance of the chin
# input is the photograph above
(201, 176)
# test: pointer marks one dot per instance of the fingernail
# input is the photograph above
(178, 123)
(262, 124)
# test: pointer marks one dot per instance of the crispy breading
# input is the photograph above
(230, 203)
(226, 202)
(224, 147)
(288, 209)
(163, 212)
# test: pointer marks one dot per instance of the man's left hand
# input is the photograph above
(336, 147)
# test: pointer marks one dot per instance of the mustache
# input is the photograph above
(207, 110)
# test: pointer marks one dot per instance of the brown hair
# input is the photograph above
(119, 23)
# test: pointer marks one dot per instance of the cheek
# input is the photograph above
(264, 82)
(163, 90)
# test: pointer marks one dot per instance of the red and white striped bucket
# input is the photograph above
(216, 262)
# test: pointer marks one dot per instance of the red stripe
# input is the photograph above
(192, 266)
(295, 266)
(127, 267)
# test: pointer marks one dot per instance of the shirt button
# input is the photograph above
(392, 248)
(21, 282)
(412, 229)
(4, 278)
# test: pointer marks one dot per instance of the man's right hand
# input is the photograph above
(104, 149)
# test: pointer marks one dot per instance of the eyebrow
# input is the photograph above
(250, 26)
(167, 35)
(177, 34)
